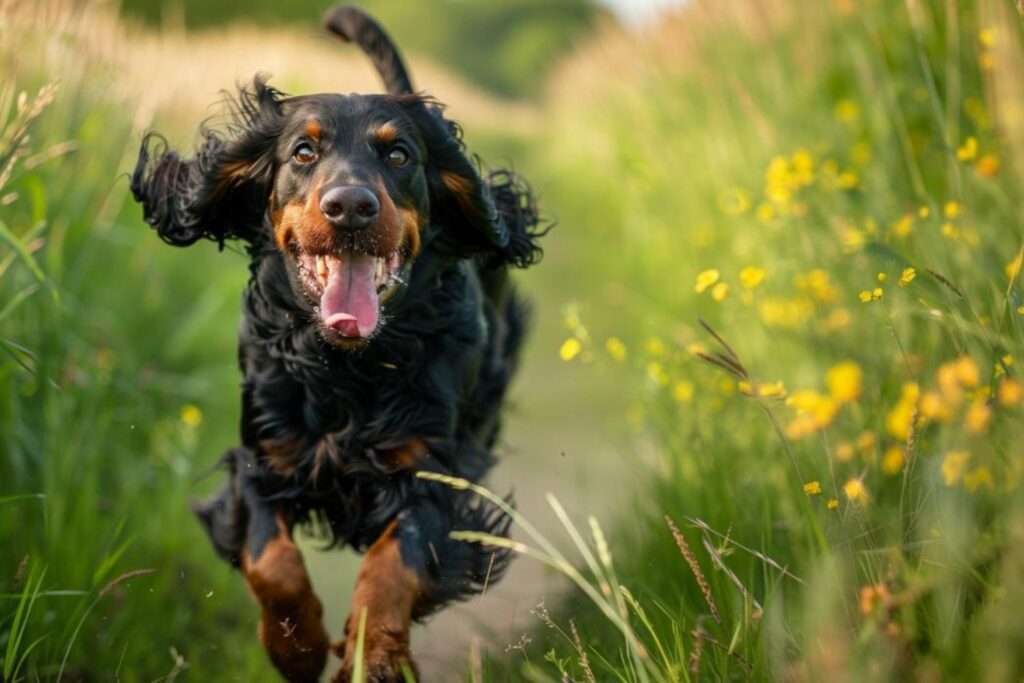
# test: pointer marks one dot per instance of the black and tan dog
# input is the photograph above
(378, 337)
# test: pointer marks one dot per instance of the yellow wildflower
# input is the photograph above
(844, 451)
(682, 391)
(866, 441)
(934, 407)
(924, 212)
(814, 411)
(951, 209)
(571, 348)
(751, 277)
(900, 419)
(987, 37)
(977, 478)
(655, 347)
(191, 415)
(856, 491)
(657, 374)
(847, 111)
(812, 488)
(950, 231)
(847, 180)
(705, 279)
(892, 461)
(882, 277)
(953, 466)
(778, 312)
(969, 150)
(765, 212)
(832, 504)
(873, 295)
(767, 390)
(967, 372)
(695, 348)
(836, 320)
(949, 383)
(907, 277)
(903, 226)
(844, 381)
(988, 166)
(615, 348)
(734, 202)
(977, 417)
(720, 292)
(1010, 392)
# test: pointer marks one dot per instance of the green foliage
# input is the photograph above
(102, 405)
(837, 193)
(505, 45)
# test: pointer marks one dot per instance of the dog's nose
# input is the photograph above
(350, 207)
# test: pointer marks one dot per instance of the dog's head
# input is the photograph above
(348, 187)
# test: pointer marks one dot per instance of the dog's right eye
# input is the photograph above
(304, 153)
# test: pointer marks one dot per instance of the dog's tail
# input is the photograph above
(353, 25)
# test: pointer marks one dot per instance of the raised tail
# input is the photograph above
(353, 25)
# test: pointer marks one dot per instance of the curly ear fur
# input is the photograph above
(494, 217)
(221, 192)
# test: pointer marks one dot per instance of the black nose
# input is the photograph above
(351, 207)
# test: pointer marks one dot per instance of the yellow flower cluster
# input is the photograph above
(815, 410)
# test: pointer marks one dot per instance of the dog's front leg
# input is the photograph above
(255, 536)
(291, 628)
(387, 589)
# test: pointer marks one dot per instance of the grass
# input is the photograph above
(833, 458)
(831, 188)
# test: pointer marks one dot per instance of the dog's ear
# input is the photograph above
(494, 217)
(222, 191)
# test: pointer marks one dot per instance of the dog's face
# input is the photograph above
(348, 187)
(349, 201)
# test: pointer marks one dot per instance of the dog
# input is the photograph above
(378, 337)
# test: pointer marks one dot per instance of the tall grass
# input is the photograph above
(117, 388)
(834, 187)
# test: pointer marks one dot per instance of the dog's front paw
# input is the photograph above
(386, 657)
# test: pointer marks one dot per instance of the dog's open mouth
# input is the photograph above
(350, 288)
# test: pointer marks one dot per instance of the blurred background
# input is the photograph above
(768, 424)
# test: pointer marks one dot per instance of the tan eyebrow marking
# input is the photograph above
(385, 133)
(313, 130)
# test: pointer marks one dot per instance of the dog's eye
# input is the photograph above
(304, 153)
(398, 156)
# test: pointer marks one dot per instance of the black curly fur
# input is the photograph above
(437, 371)
(351, 24)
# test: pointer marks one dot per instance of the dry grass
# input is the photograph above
(177, 78)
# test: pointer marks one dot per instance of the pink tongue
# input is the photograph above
(349, 302)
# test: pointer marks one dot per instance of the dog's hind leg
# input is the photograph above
(256, 537)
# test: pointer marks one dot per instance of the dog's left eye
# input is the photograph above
(304, 153)
(398, 156)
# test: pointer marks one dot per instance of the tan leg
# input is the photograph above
(290, 626)
(387, 589)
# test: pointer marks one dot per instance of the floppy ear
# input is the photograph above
(495, 217)
(222, 191)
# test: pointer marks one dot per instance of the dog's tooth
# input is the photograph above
(380, 268)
